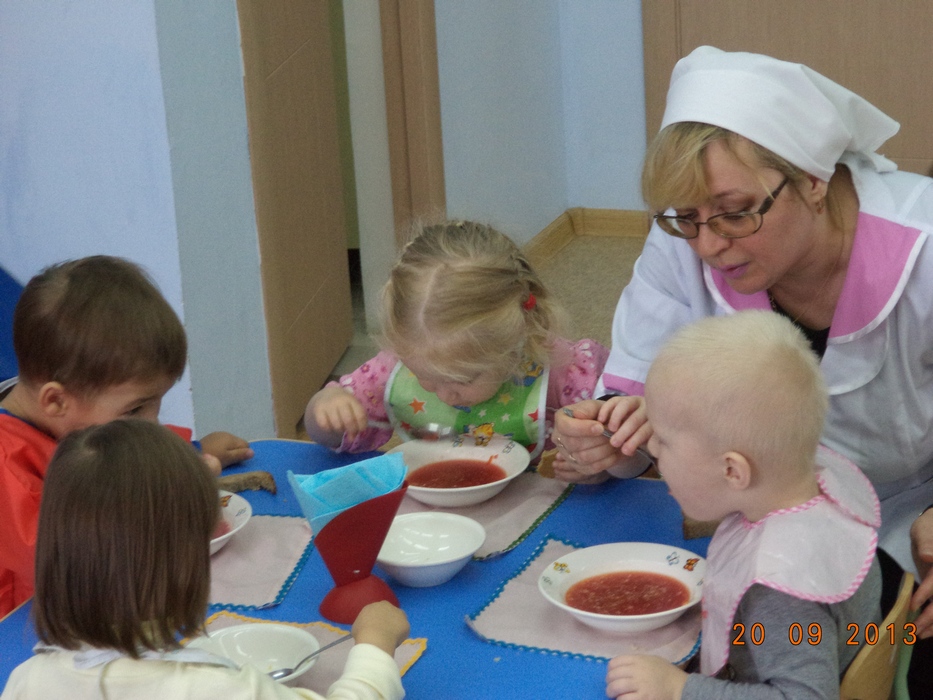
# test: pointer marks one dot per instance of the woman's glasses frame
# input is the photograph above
(728, 225)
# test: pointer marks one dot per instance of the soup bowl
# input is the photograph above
(235, 512)
(499, 451)
(266, 646)
(680, 564)
(428, 549)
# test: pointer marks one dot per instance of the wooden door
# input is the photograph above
(413, 110)
(880, 49)
(298, 187)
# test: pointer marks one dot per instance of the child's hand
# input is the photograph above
(381, 624)
(644, 678)
(331, 412)
(213, 464)
(626, 418)
(226, 447)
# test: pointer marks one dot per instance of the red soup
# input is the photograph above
(627, 593)
(455, 474)
(223, 527)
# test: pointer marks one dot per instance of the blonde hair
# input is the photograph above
(751, 383)
(674, 176)
(464, 299)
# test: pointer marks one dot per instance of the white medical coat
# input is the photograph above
(878, 363)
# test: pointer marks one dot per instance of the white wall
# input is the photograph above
(542, 108)
(604, 102)
(502, 112)
(89, 165)
(370, 135)
(205, 106)
(84, 158)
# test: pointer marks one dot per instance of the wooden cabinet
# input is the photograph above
(877, 48)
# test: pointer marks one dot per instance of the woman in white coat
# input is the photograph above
(770, 194)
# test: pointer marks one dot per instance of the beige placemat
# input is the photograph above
(519, 616)
(258, 565)
(509, 516)
(329, 665)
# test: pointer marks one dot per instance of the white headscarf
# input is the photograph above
(790, 109)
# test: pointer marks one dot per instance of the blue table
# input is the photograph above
(456, 663)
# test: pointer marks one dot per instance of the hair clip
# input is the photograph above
(529, 303)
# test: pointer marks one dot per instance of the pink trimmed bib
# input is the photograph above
(820, 551)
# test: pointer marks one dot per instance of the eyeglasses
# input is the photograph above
(729, 225)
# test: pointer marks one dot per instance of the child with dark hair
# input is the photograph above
(123, 571)
(95, 340)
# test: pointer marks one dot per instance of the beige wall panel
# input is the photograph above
(878, 48)
(279, 28)
(409, 45)
(298, 188)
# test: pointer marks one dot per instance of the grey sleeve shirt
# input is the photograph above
(777, 668)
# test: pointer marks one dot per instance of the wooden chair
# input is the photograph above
(871, 674)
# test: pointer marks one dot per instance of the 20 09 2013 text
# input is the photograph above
(870, 634)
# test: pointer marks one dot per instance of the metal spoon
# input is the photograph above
(280, 673)
(428, 431)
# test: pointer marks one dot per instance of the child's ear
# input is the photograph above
(54, 400)
(737, 470)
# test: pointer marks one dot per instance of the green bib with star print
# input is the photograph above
(517, 410)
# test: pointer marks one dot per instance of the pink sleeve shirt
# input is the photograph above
(575, 369)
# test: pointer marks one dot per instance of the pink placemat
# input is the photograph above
(509, 516)
(258, 565)
(329, 665)
(518, 616)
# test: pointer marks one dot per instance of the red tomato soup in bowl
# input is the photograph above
(455, 474)
(461, 471)
(625, 587)
(627, 593)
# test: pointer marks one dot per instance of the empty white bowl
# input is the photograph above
(501, 451)
(266, 646)
(680, 564)
(236, 512)
(428, 549)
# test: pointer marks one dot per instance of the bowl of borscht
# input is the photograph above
(462, 471)
(626, 586)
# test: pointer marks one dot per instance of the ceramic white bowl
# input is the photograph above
(428, 549)
(237, 511)
(501, 451)
(681, 564)
(266, 646)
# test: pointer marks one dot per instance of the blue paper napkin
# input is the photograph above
(325, 495)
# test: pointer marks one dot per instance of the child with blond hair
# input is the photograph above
(737, 405)
(95, 340)
(123, 572)
(470, 341)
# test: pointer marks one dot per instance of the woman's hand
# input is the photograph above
(585, 453)
(921, 545)
(226, 447)
(644, 678)
(333, 412)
